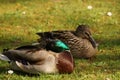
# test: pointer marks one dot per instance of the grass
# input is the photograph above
(21, 19)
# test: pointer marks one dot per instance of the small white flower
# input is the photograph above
(23, 12)
(89, 7)
(107, 79)
(105, 70)
(109, 13)
(10, 71)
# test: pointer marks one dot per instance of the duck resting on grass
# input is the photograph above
(80, 41)
(31, 59)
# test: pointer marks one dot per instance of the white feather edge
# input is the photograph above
(4, 58)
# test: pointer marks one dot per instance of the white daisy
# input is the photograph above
(89, 7)
(109, 13)
(23, 12)
(10, 71)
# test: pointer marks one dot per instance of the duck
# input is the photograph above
(80, 41)
(34, 60)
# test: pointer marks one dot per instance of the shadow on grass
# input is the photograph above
(109, 54)
(4, 70)
(103, 63)
(109, 43)
(110, 61)
(26, 74)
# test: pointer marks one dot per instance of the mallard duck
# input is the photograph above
(31, 59)
(80, 41)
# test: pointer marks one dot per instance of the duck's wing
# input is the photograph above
(16, 65)
(26, 54)
(47, 64)
(50, 35)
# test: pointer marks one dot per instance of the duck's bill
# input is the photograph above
(92, 41)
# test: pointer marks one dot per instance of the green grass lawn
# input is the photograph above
(21, 19)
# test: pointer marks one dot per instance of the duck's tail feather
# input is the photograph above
(4, 58)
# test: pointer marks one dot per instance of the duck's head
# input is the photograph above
(84, 32)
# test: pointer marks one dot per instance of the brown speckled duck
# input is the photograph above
(31, 59)
(80, 42)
